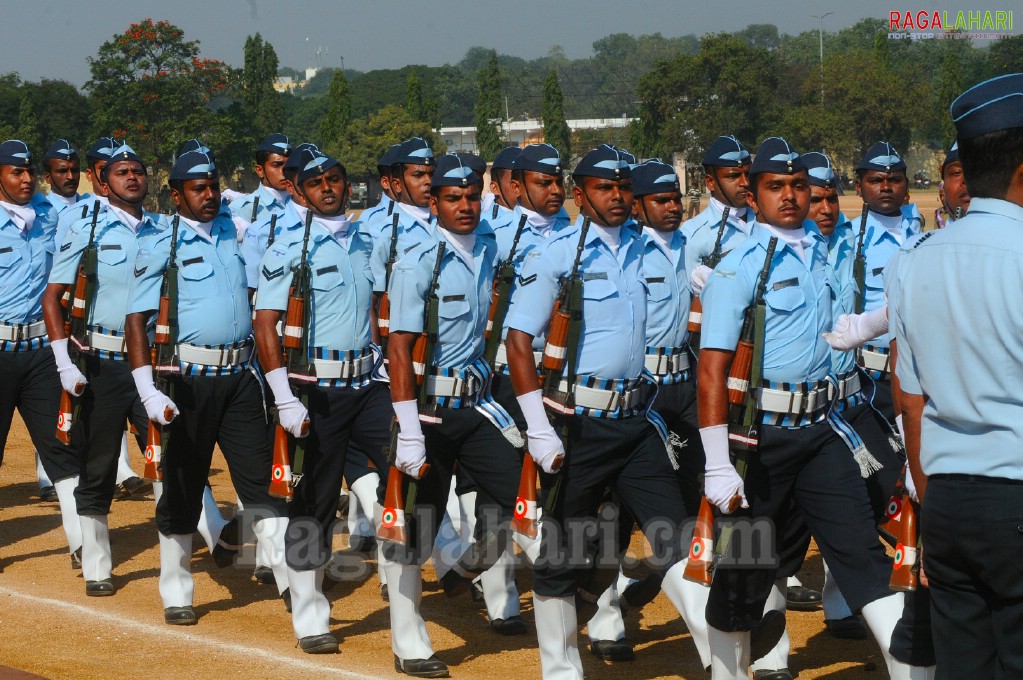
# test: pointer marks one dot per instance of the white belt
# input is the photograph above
(849, 386)
(794, 403)
(604, 400)
(875, 361)
(450, 386)
(22, 331)
(667, 363)
(103, 341)
(328, 369)
(501, 357)
(215, 356)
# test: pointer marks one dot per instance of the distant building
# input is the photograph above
(522, 132)
(287, 84)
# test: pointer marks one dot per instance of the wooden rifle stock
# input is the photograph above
(904, 569)
(64, 418)
(154, 454)
(504, 277)
(280, 472)
(555, 351)
(891, 526)
(524, 516)
(384, 308)
(700, 567)
(396, 500)
(695, 322)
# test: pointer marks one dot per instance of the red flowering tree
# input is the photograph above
(152, 88)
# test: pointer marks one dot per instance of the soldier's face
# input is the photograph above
(883, 192)
(18, 183)
(63, 176)
(781, 200)
(199, 199)
(956, 193)
(271, 173)
(457, 208)
(729, 185)
(661, 212)
(127, 181)
(413, 185)
(604, 199)
(326, 194)
(503, 189)
(92, 172)
(824, 208)
(540, 192)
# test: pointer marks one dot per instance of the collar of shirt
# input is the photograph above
(995, 206)
(60, 202)
(810, 236)
(338, 226)
(665, 240)
(23, 215)
(203, 229)
(127, 220)
(541, 224)
(275, 195)
(464, 245)
(611, 236)
(735, 214)
(415, 212)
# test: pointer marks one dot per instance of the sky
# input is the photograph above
(54, 38)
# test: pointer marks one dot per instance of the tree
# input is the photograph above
(60, 111)
(419, 103)
(339, 112)
(366, 139)
(488, 109)
(262, 101)
(28, 131)
(555, 129)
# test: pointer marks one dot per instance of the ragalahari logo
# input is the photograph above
(962, 24)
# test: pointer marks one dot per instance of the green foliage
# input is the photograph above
(339, 112)
(262, 102)
(60, 110)
(488, 110)
(28, 131)
(366, 139)
(419, 104)
(555, 129)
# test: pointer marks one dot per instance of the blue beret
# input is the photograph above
(605, 162)
(387, 160)
(124, 153)
(102, 148)
(993, 105)
(478, 165)
(538, 158)
(882, 156)
(194, 145)
(312, 163)
(276, 143)
(294, 162)
(951, 157)
(61, 150)
(629, 157)
(654, 177)
(193, 165)
(726, 152)
(15, 152)
(777, 157)
(452, 172)
(505, 159)
(818, 166)
(414, 151)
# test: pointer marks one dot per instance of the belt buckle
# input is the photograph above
(19, 333)
(615, 402)
(810, 401)
(231, 357)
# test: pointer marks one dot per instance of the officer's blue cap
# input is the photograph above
(478, 165)
(629, 157)
(605, 162)
(194, 144)
(15, 152)
(777, 157)
(312, 163)
(726, 152)
(883, 157)
(276, 143)
(60, 150)
(294, 162)
(538, 158)
(654, 177)
(818, 166)
(951, 157)
(124, 153)
(387, 160)
(102, 148)
(194, 165)
(452, 172)
(414, 151)
(505, 159)
(993, 105)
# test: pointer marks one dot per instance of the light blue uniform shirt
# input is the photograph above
(669, 297)
(957, 317)
(119, 246)
(701, 233)
(613, 339)
(213, 301)
(373, 219)
(268, 203)
(257, 236)
(464, 294)
(341, 284)
(878, 247)
(841, 255)
(798, 299)
(25, 259)
(80, 211)
(411, 233)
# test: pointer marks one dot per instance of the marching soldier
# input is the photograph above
(953, 192)
(272, 193)
(95, 158)
(62, 172)
(501, 198)
(218, 399)
(374, 219)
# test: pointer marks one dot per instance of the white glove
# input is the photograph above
(698, 279)
(156, 402)
(852, 330)
(910, 484)
(543, 443)
(291, 414)
(71, 379)
(410, 455)
(721, 483)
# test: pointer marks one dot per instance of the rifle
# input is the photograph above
(696, 307)
(504, 277)
(743, 436)
(384, 311)
(70, 408)
(905, 570)
(273, 227)
(164, 361)
(860, 265)
(890, 527)
(255, 209)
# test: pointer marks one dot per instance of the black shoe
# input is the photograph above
(132, 486)
(422, 668)
(319, 644)
(849, 628)
(226, 549)
(454, 585)
(104, 588)
(47, 494)
(343, 503)
(613, 650)
(264, 575)
(513, 625)
(765, 634)
(384, 595)
(780, 674)
(477, 596)
(179, 616)
(641, 593)
(76, 559)
(802, 599)
(286, 596)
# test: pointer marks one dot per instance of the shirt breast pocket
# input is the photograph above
(786, 306)
(452, 310)
(197, 280)
(659, 289)
(111, 264)
(600, 303)
(10, 266)
(325, 279)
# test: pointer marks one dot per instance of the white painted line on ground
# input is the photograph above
(178, 636)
